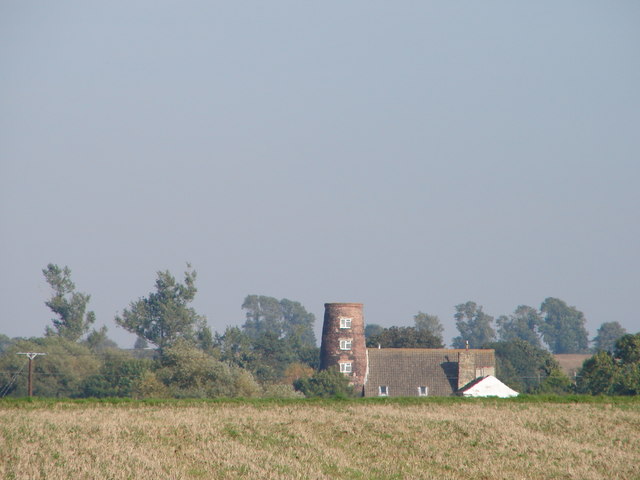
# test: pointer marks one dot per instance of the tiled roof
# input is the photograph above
(403, 370)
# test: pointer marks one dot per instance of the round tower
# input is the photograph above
(343, 343)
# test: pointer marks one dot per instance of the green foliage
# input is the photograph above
(98, 341)
(190, 372)
(119, 374)
(372, 329)
(608, 334)
(59, 373)
(429, 323)
(627, 348)
(276, 334)
(281, 391)
(597, 375)
(527, 368)
(616, 373)
(474, 326)
(164, 316)
(523, 324)
(5, 342)
(325, 383)
(266, 355)
(281, 318)
(404, 337)
(563, 327)
(70, 306)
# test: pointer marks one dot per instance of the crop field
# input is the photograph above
(305, 439)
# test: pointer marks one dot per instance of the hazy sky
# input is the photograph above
(407, 155)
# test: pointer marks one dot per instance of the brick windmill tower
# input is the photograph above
(343, 342)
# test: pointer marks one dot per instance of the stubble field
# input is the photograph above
(320, 440)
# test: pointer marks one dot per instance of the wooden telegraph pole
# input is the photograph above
(31, 356)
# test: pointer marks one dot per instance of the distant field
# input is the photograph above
(432, 438)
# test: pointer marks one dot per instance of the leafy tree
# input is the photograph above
(5, 342)
(190, 372)
(616, 373)
(267, 356)
(404, 337)
(141, 344)
(474, 326)
(523, 324)
(608, 334)
(276, 334)
(325, 383)
(563, 327)
(118, 376)
(164, 316)
(429, 323)
(528, 368)
(372, 329)
(98, 341)
(627, 348)
(70, 306)
(283, 318)
(597, 374)
(59, 373)
(296, 371)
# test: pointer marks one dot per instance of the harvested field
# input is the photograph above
(321, 440)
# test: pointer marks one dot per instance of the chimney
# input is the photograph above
(466, 367)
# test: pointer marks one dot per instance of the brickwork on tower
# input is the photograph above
(343, 342)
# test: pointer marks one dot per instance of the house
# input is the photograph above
(396, 371)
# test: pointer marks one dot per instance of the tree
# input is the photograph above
(98, 341)
(429, 323)
(267, 356)
(523, 324)
(608, 334)
(372, 329)
(325, 383)
(404, 337)
(474, 326)
(616, 373)
(597, 374)
(164, 316)
(563, 327)
(70, 306)
(283, 318)
(528, 368)
(59, 373)
(278, 333)
(627, 348)
(118, 376)
(189, 372)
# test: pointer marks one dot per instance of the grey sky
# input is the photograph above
(408, 155)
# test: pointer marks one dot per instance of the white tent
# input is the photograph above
(488, 386)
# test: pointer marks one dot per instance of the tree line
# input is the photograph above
(275, 353)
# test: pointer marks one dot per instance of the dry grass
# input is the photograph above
(333, 440)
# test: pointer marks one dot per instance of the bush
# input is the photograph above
(325, 383)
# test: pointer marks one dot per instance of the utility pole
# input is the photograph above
(30, 356)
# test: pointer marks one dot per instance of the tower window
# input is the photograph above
(345, 367)
(383, 391)
(423, 391)
(345, 322)
(345, 344)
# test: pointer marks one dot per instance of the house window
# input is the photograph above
(383, 391)
(345, 344)
(345, 367)
(423, 391)
(345, 322)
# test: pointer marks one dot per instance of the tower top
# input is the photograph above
(343, 304)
